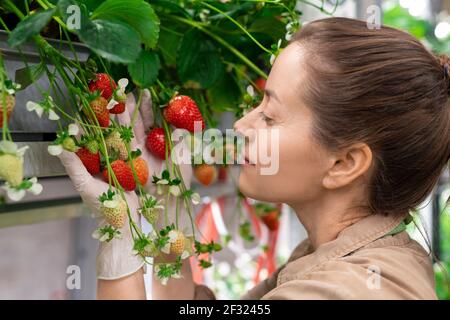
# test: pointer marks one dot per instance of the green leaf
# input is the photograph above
(145, 70)
(198, 60)
(168, 44)
(137, 14)
(91, 5)
(109, 38)
(224, 95)
(28, 75)
(112, 40)
(30, 27)
(269, 26)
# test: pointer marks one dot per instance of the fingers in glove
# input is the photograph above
(146, 109)
(138, 126)
(75, 169)
(124, 118)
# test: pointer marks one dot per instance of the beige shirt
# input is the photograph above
(361, 263)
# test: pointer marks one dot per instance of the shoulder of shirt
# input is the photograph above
(395, 259)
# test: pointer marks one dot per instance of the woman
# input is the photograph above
(364, 135)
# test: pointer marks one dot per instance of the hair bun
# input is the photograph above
(445, 63)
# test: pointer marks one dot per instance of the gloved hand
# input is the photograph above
(116, 259)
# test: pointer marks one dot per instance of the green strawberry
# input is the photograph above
(69, 144)
(92, 146)
(11, 169)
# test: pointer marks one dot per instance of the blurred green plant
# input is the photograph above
(399, 17)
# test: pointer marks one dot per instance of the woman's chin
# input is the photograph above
(248, 186)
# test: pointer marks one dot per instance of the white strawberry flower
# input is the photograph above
(163, 182)
(177, 275)
(39, 108)
(166, 248)
(272, 59)
(36, 188)
(175, 191)
(173, 236)
(10, 147)
(112, 203)
(251, 91)
(103, 234)
(57, 149)
(185, 255)
(119, 94)
(98, 234)
(274, 55)
(161, 186)
(195, 198)
(73, 129)
(18, 192)
(288, 36)
(11, 89)
(14, 194)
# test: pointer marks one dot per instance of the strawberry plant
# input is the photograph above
(196, 58)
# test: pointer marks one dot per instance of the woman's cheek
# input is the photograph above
(265, 179)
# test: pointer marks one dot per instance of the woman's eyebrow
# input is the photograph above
(272, 94)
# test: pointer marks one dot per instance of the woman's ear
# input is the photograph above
(347, 165)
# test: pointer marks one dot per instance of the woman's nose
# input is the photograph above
(245, 123)
(244, 127)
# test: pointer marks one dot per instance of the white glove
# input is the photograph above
(115, 258)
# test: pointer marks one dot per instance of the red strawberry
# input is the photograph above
(205, 174)
(123, 173)
(223, 173)
(10, 103)
(182, 112)
(156, 143)
(271, 220)
(141, 168)
(261, 83)
(104, 84)
(90, 160)
(99, 106)
(118, 108)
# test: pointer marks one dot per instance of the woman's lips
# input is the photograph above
(247, 162)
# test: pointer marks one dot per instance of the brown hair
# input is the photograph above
(384, 88)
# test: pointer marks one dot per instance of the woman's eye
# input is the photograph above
(266, 119)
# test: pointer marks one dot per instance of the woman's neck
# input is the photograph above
(325, 219)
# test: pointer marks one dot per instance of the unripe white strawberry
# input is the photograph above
(114, 212)
(177, 247)
(115, 143)
(11, 169)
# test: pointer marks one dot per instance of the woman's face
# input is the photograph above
(297, 163)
